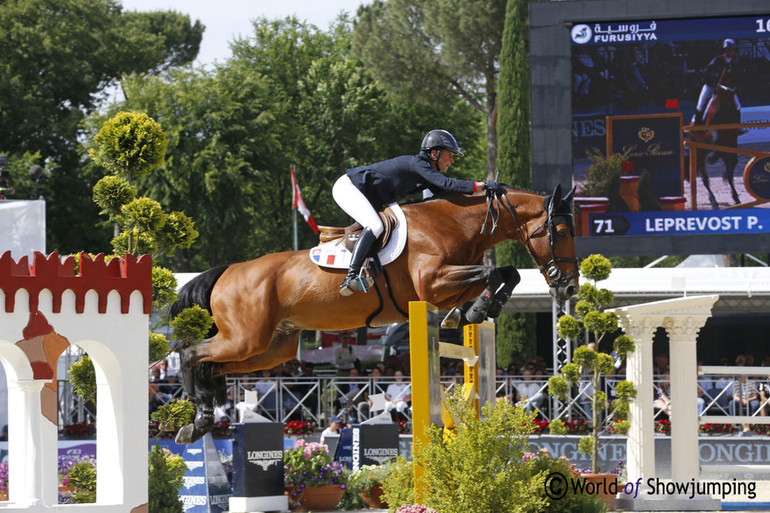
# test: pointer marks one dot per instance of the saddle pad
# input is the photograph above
(334, 255)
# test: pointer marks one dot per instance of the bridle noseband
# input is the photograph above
(550, 268)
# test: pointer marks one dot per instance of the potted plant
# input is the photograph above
(315, 481)
(367, 481)
(591, 364)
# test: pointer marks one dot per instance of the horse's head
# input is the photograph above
(551, 243)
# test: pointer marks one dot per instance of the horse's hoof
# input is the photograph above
(452, 319)
(188, 434)
(495, 309)
(736, 198)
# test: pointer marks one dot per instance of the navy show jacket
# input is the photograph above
(388, 181)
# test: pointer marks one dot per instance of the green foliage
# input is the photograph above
(191, 325)
(544, 464)
(134, 242)
(163, 287)
(174, 414)
(290, 94)
(587, 359)
(130, 144)
(82, 476)
(476, 467)
(365, 478)
(142, 214)
(595, 268)
(399, 487)
(166, 478)
(586, 445)
(111, 193)
(83, 378)
(622, 426)
(159, 347)
(624, 345)
(177, 232)
(568, 327)
(557, 427)
(558, 387)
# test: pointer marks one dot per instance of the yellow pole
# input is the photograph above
(424, 361)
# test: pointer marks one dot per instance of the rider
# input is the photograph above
(364, 190)
(720, 72)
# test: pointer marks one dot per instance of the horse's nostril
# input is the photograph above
(571, 290)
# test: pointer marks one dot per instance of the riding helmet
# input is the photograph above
(728, 43)
(440, 139)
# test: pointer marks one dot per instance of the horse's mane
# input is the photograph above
(454, 196)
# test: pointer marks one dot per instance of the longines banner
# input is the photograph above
(653, 143)
(714, 450)
(258, 459)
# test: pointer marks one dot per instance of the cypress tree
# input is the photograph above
(516, 331)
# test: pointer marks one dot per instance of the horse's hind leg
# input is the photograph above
(283, 347)
(731, 160)
(203, 389)
(705, 177)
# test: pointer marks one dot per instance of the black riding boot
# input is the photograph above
(360, 252)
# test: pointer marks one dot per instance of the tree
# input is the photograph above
(435, 51)
(517, 330)
(57, 60)
(289, 95)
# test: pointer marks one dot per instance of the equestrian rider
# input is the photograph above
(720, 72)
(362, 191)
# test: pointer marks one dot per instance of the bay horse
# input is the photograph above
(721, 109)
(261, 306)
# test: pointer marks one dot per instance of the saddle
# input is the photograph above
(350, 234)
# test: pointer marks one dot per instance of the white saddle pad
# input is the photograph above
(334, 255)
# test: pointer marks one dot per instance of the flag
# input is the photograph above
(298, 203)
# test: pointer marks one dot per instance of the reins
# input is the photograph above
(550, 268)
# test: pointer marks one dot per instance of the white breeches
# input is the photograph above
(355, 204)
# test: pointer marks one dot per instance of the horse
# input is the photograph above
(261, 306)
(722, 109)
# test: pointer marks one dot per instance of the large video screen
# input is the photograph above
(667, 125)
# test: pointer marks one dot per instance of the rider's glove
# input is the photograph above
(495, 187)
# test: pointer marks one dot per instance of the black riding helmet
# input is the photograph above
(440, 139)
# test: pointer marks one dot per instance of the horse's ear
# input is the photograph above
(570, 195)
(555, 197)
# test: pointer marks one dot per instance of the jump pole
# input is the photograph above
(478, 353)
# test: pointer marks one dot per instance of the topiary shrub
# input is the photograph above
(165, 480)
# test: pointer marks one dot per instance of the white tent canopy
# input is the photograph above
(740, 289)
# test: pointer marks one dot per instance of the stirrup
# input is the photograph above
(362, 283)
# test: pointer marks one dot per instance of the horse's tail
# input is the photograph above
(198, 292)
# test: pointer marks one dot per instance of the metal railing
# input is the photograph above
(318, 398)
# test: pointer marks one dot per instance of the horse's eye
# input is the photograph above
(562, 234)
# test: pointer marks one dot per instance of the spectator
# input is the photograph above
(529, 393)
(764, 397)
(663, 398)
(398, 395)
(333, 429)
(745, 398)
(344, 356)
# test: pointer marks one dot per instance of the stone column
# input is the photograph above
(640, 445)
(682, 335)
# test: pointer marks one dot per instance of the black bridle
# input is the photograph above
(550, 268)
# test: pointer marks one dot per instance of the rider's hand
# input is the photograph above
(495, 187)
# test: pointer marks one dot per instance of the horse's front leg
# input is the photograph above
(511, 278)
(453, 282)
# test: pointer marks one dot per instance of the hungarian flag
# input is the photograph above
(298, 203)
